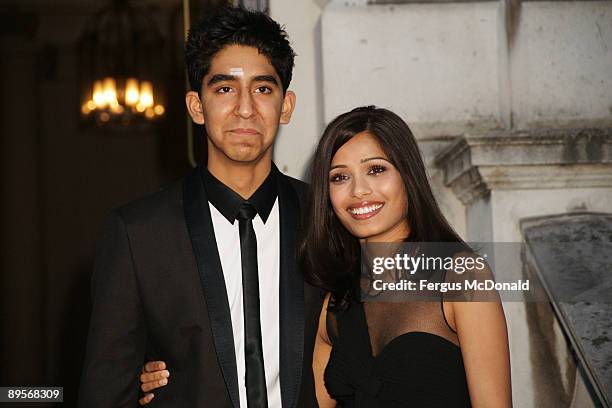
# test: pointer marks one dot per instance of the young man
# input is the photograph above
(203, 274)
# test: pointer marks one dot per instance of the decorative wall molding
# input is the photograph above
(540, 159)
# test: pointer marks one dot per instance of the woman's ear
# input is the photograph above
(194, 107)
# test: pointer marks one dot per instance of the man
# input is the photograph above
(203, 274)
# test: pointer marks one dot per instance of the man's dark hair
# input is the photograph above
(237, 26)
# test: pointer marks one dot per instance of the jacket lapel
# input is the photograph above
(202, 235)
(291, 295)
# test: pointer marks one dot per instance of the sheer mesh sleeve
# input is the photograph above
(332, 319)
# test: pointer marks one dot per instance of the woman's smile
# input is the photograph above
(365, 209)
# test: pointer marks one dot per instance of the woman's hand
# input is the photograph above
(154, 375)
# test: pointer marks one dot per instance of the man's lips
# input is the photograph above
(365, 210)
(245, 131)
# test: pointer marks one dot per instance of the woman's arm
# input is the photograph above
(322, 350)
(483, 337)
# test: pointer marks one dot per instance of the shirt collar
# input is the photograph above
(228, 202)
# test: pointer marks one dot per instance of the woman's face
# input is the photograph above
(367, 192)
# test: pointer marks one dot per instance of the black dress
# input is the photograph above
(388, 354)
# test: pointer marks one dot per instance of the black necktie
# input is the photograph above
(253, 352)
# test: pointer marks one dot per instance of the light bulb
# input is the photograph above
(159, 110)
(146, 94)
(131, 92)
(98, 95)
(110, 91)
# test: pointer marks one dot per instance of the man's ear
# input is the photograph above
(288, 106)
(194, 107)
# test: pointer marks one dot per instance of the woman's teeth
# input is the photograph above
(365, 210)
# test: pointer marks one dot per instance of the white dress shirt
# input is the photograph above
(268, 264)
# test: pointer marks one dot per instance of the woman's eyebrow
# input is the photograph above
(375, 158)
(362, 161)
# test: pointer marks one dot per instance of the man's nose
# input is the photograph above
(245, 105)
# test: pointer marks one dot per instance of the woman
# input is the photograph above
(369, 185)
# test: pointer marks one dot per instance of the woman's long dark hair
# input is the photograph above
(329, 253)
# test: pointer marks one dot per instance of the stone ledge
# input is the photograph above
(575, 274)
(542, 159)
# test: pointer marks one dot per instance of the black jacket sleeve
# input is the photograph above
(117, 335)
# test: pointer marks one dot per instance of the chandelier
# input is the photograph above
(120, 54)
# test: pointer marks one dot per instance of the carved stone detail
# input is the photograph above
(542, 159)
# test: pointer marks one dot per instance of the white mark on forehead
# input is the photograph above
(236, 71)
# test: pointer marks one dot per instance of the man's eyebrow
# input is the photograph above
(227, 78)
(266, 78)
(220, 78)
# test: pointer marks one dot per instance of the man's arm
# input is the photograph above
(117, 336)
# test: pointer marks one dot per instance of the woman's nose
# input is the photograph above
(360, 187)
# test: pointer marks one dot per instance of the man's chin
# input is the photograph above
(239, 154)
(245, 156)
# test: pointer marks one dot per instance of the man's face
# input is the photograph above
(241, 105)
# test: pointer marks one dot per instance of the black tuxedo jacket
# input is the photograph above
(158, 293)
